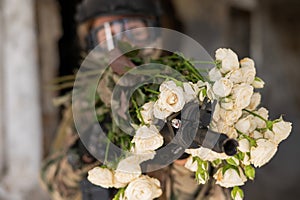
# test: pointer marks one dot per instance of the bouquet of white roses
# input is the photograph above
(232, 85)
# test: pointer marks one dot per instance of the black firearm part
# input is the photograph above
(185, 124)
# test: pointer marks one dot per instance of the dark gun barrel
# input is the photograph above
(217, 142)
(204, 137)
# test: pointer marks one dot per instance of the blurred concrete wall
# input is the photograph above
(21, 139)
(1, 97)
(49, 33)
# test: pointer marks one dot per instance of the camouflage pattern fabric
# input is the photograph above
(58, 176)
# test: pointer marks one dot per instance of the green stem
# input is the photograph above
(152, 91)
(138, 111)
(167, 77)
(251, 140)
(256, 115)
(118, 195)
(239, 132)
(203, 62)
(193, 70)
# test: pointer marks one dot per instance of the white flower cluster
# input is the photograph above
(232, 84)
(237, 115)
(128, 174)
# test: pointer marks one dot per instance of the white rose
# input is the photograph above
(189, 92)
(191, 165)
(171, 96)
(171, 99)
(268, 134)
(263, 153)
(244, 145)
(230, 178)
(222, 87)
(246, 160)
(209, 90)
(144, 188)
(144, 156)
(232, 133)
(236, 76)
(242, 94)
(160, 112)
(254, 102)
(258, 83)
(216, 113)
(264, 113)
(256, 135)
(128, 169)
(147, 112)
(246, 124)
(281, 131)
(248, 70)
(230, 116)
(102, 177)
(227, 103)
(147, 139)
(229, 60)
(118, 184)
(222, 126)
(214, 74)
(221, 53)
(206, 154)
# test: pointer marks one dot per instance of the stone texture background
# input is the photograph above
(266, 30)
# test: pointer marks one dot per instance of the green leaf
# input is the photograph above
(204, 92)
(216, 163)
(250, 172)
(119, 194)
(218, 64)
(226, 167)
(231, 161)
(258, 79)
(237, 191)
(270, 125)
(201, 174)
(240, 156)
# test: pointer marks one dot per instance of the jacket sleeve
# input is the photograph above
(58, 175)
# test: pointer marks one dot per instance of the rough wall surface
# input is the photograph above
(21, 96)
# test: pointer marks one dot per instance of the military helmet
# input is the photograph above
(89, 9)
